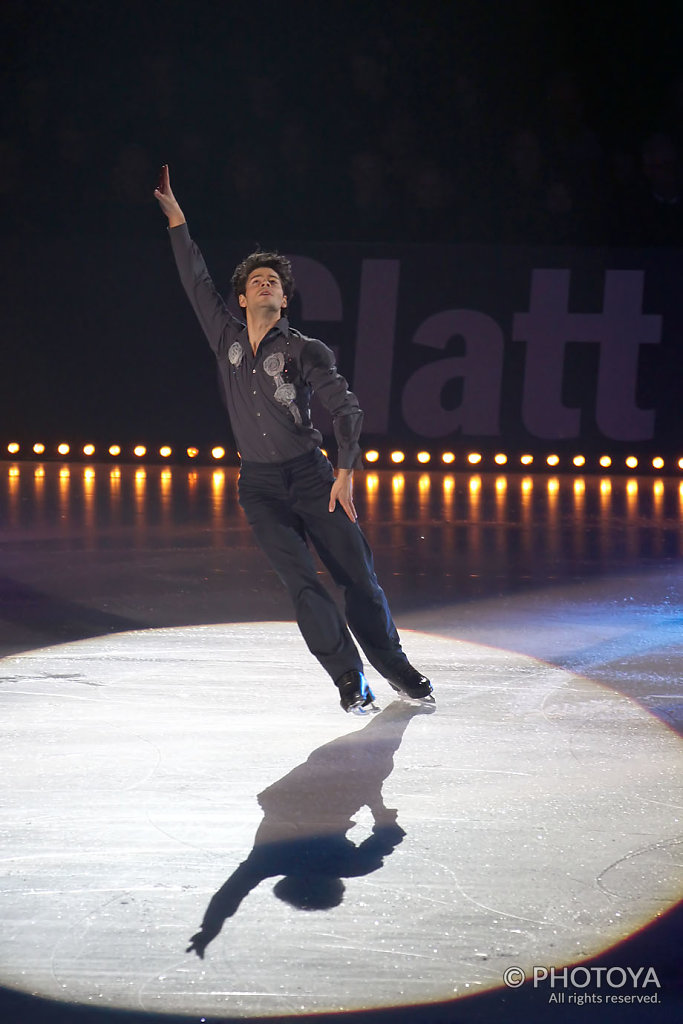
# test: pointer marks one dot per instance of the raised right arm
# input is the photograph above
(216, 320)
(167, 201)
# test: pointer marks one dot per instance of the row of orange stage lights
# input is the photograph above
(372, 457)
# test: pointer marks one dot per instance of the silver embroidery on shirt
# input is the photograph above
(274, 364)
(285, 393)
(236, 354)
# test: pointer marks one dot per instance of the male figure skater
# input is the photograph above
(287, 487)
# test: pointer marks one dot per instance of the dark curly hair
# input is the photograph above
(280, 264)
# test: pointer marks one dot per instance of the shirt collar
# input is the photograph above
(281, 327)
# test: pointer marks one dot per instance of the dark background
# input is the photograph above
(472, 120)
(502, 123)
(403, 125)
(477, 120)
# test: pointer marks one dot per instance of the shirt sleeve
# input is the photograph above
(320, 372)
(216, 320)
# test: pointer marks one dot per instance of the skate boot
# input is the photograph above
(355, 693)
(410, 683)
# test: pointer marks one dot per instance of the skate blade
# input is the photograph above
(428, 701)
(365, 709)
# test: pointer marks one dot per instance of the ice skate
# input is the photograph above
(411, 685)
(355, 694)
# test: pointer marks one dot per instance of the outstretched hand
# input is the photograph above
(167, 201)
(198, 943)
(342, 492)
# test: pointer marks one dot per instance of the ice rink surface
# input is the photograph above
(193, 828)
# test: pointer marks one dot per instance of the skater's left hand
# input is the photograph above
(198, 943)
(342, 492)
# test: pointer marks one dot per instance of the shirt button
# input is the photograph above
(254, 370)
(258, 413)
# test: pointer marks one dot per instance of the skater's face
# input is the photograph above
(263, 292)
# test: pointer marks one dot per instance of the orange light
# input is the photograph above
(605, 461)
(448, 458)
(398, 457)
(139, 450)
(114, 449)
(632, 488)
(448, 484)
(474, 458)
(371, 482)
(63, 449)
(88, 449)
(680, 463)
(605, 487)
(424, 483)
(501, 484)
(631, 462)
(553, 460)
(39, 448)
(89, 474)
(475, 484)
(527, 484)
(218, 452)
(553, 485)
(372, 455)
(14, 472)
(500, 459)
(192, 452)
(579, 486)
(165, 451)
(423, 457)
(64, 473)
(398, 481)
(13, 448)
(526, 460)
(579, 460)
(658, 462)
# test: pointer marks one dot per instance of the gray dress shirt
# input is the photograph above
(268, 394)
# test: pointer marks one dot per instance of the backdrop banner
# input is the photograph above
(445, 345)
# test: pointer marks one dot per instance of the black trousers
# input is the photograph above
(287, 505)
